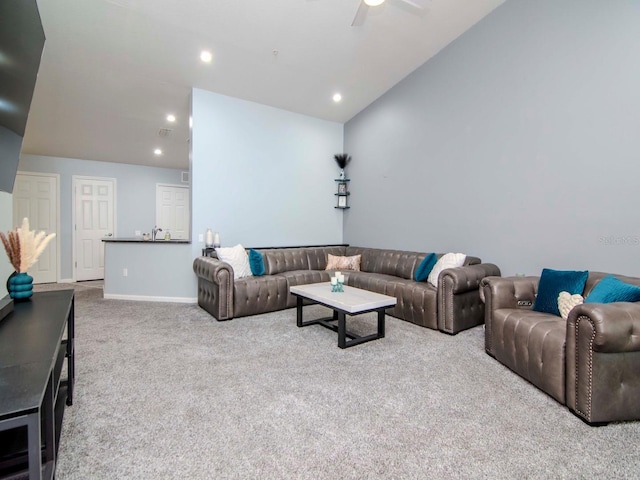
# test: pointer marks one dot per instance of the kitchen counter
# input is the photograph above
(137, 269)
(141, 240)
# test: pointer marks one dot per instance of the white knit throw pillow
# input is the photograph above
(566, 302)
(448, 260)
(238, 259)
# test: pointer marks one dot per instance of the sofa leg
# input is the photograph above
(591, 424)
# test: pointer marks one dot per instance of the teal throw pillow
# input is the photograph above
(552, 282)
(256, 262)
(611, 289)
(425, 267)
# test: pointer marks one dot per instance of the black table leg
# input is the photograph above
(299, 311)
(342, 330)
(381, 323)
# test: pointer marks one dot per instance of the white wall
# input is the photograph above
(262, 176)
(518, 143)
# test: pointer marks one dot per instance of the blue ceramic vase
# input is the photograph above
(20, 286)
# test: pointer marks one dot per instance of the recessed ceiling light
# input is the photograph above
(206, 56)
(157, 151)
(171, 118)
(374, 3)
(337, 97)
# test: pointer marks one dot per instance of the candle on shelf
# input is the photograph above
(216, 239)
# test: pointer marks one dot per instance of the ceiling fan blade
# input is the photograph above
(413, 3)
(361, 14)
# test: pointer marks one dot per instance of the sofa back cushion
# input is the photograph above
(285, 260)
(595, 277)
(389, 262)
(470, 260)
(317, 256)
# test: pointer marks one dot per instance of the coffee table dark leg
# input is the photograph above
(381, 314)
(299, 312)
(342, 330)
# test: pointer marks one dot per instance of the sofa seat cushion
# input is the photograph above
(532, 344)
(303, 277)
(253, 295)
(417, 302)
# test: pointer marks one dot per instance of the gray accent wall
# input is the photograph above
(135, 195)
(518, 143)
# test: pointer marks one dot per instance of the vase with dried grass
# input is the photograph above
(23, 247)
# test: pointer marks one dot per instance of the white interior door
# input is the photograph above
(35, 196)
(172, 210)
(94, 220)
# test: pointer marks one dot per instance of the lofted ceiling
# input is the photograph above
(113, 69)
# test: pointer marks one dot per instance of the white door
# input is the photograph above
(35, 196)
(94, 220)
(172, 210)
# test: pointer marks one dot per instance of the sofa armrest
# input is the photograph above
(459, 303)
(505, 292)
(215, 286)
(603, 361)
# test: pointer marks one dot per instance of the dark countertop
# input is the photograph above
(140, 240)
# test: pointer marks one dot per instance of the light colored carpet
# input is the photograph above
(164, 391)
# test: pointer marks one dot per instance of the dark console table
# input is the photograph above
(35, 340)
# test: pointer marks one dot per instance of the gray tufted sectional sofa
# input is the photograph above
(589, 362)
(454, 306)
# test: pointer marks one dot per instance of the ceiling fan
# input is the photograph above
(363, 9)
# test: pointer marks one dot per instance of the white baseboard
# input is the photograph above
(144, 298)
(66, 280)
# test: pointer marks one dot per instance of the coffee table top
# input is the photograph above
(352, 300)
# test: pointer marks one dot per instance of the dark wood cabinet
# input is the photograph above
(36, 342)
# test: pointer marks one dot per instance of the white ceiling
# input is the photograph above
(113, 69)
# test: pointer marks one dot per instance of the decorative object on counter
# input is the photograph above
(145, 236)
(208, 238)
(154, 233)
(216, 240)
(23, 247)
(167, 235)
(342, 159)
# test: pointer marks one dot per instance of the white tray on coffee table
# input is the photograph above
(352, 301)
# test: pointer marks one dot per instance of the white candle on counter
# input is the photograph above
(340, 278)
(334, 280)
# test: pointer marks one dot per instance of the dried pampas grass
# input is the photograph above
(24, 246)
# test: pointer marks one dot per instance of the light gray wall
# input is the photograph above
(135, 196)
(262, 176)
(155, 271)
(518, 143)
(6, 224)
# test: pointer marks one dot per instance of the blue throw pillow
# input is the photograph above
(256, 262)
(611, 289)
(425, 267)
(552, 282)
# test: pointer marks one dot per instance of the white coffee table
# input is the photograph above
(352, 301)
